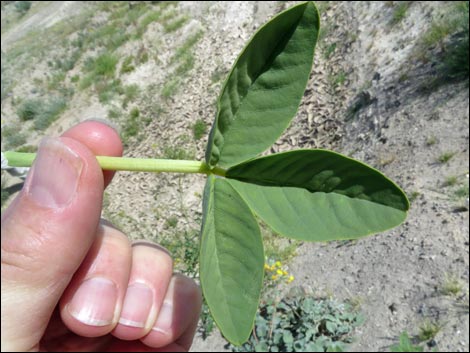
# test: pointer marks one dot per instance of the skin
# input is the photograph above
(49, 255)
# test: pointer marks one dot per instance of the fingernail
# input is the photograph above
(151, 245)
(55, 174)
(94, 302)
(137, 305)
(165, 315)
(164, 319)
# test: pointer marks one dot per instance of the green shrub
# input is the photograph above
(22, 6)
(451, 34)
(114, 114)
(107, 89)
(399, 12)
(86, 82)
(49, 113)
(170, 88)
(56, 80)
(456, 60)
(127, 65)
(105, 65)
(12, 137)
(301, 324)
(29, 109)
(135, 113)
(130, 92)
(131, 126)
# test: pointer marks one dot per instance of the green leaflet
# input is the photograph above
(264, 88)
(322, 170)
(231, 260)
(319, 195)
(299, 214)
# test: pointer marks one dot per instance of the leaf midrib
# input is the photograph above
(275, 183)
(225, 296)
(253, 82)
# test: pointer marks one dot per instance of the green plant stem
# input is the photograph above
(19, 159)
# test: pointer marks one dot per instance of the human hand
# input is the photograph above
(71, 282)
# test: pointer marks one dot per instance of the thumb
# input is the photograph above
(46, 233)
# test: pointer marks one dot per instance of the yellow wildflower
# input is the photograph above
(279, 272)
(278, 263)
(285, 273)
(274, 277)
(291, 278)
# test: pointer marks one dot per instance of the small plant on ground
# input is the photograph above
(451, 285)
(446, 45)
(450, 181)
(455, 64)
(413, 196)
(127, 65)
(431, 140)
(405, 345)
(338, 79)
(42, 112)
(428, 330)
(462, 192)
(199, 129)
(329, 50)
(307, 194)
(302, 324)
(49, 113)
(105, 65)
(446, 157)
(131, 125)
(399, 12)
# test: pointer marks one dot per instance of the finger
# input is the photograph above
(92, 302)
(152, 268)
(46, 233)
(178, 317)
(100, 138)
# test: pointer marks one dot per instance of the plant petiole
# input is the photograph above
(19, 159)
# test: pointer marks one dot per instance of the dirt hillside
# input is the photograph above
(375, 94)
